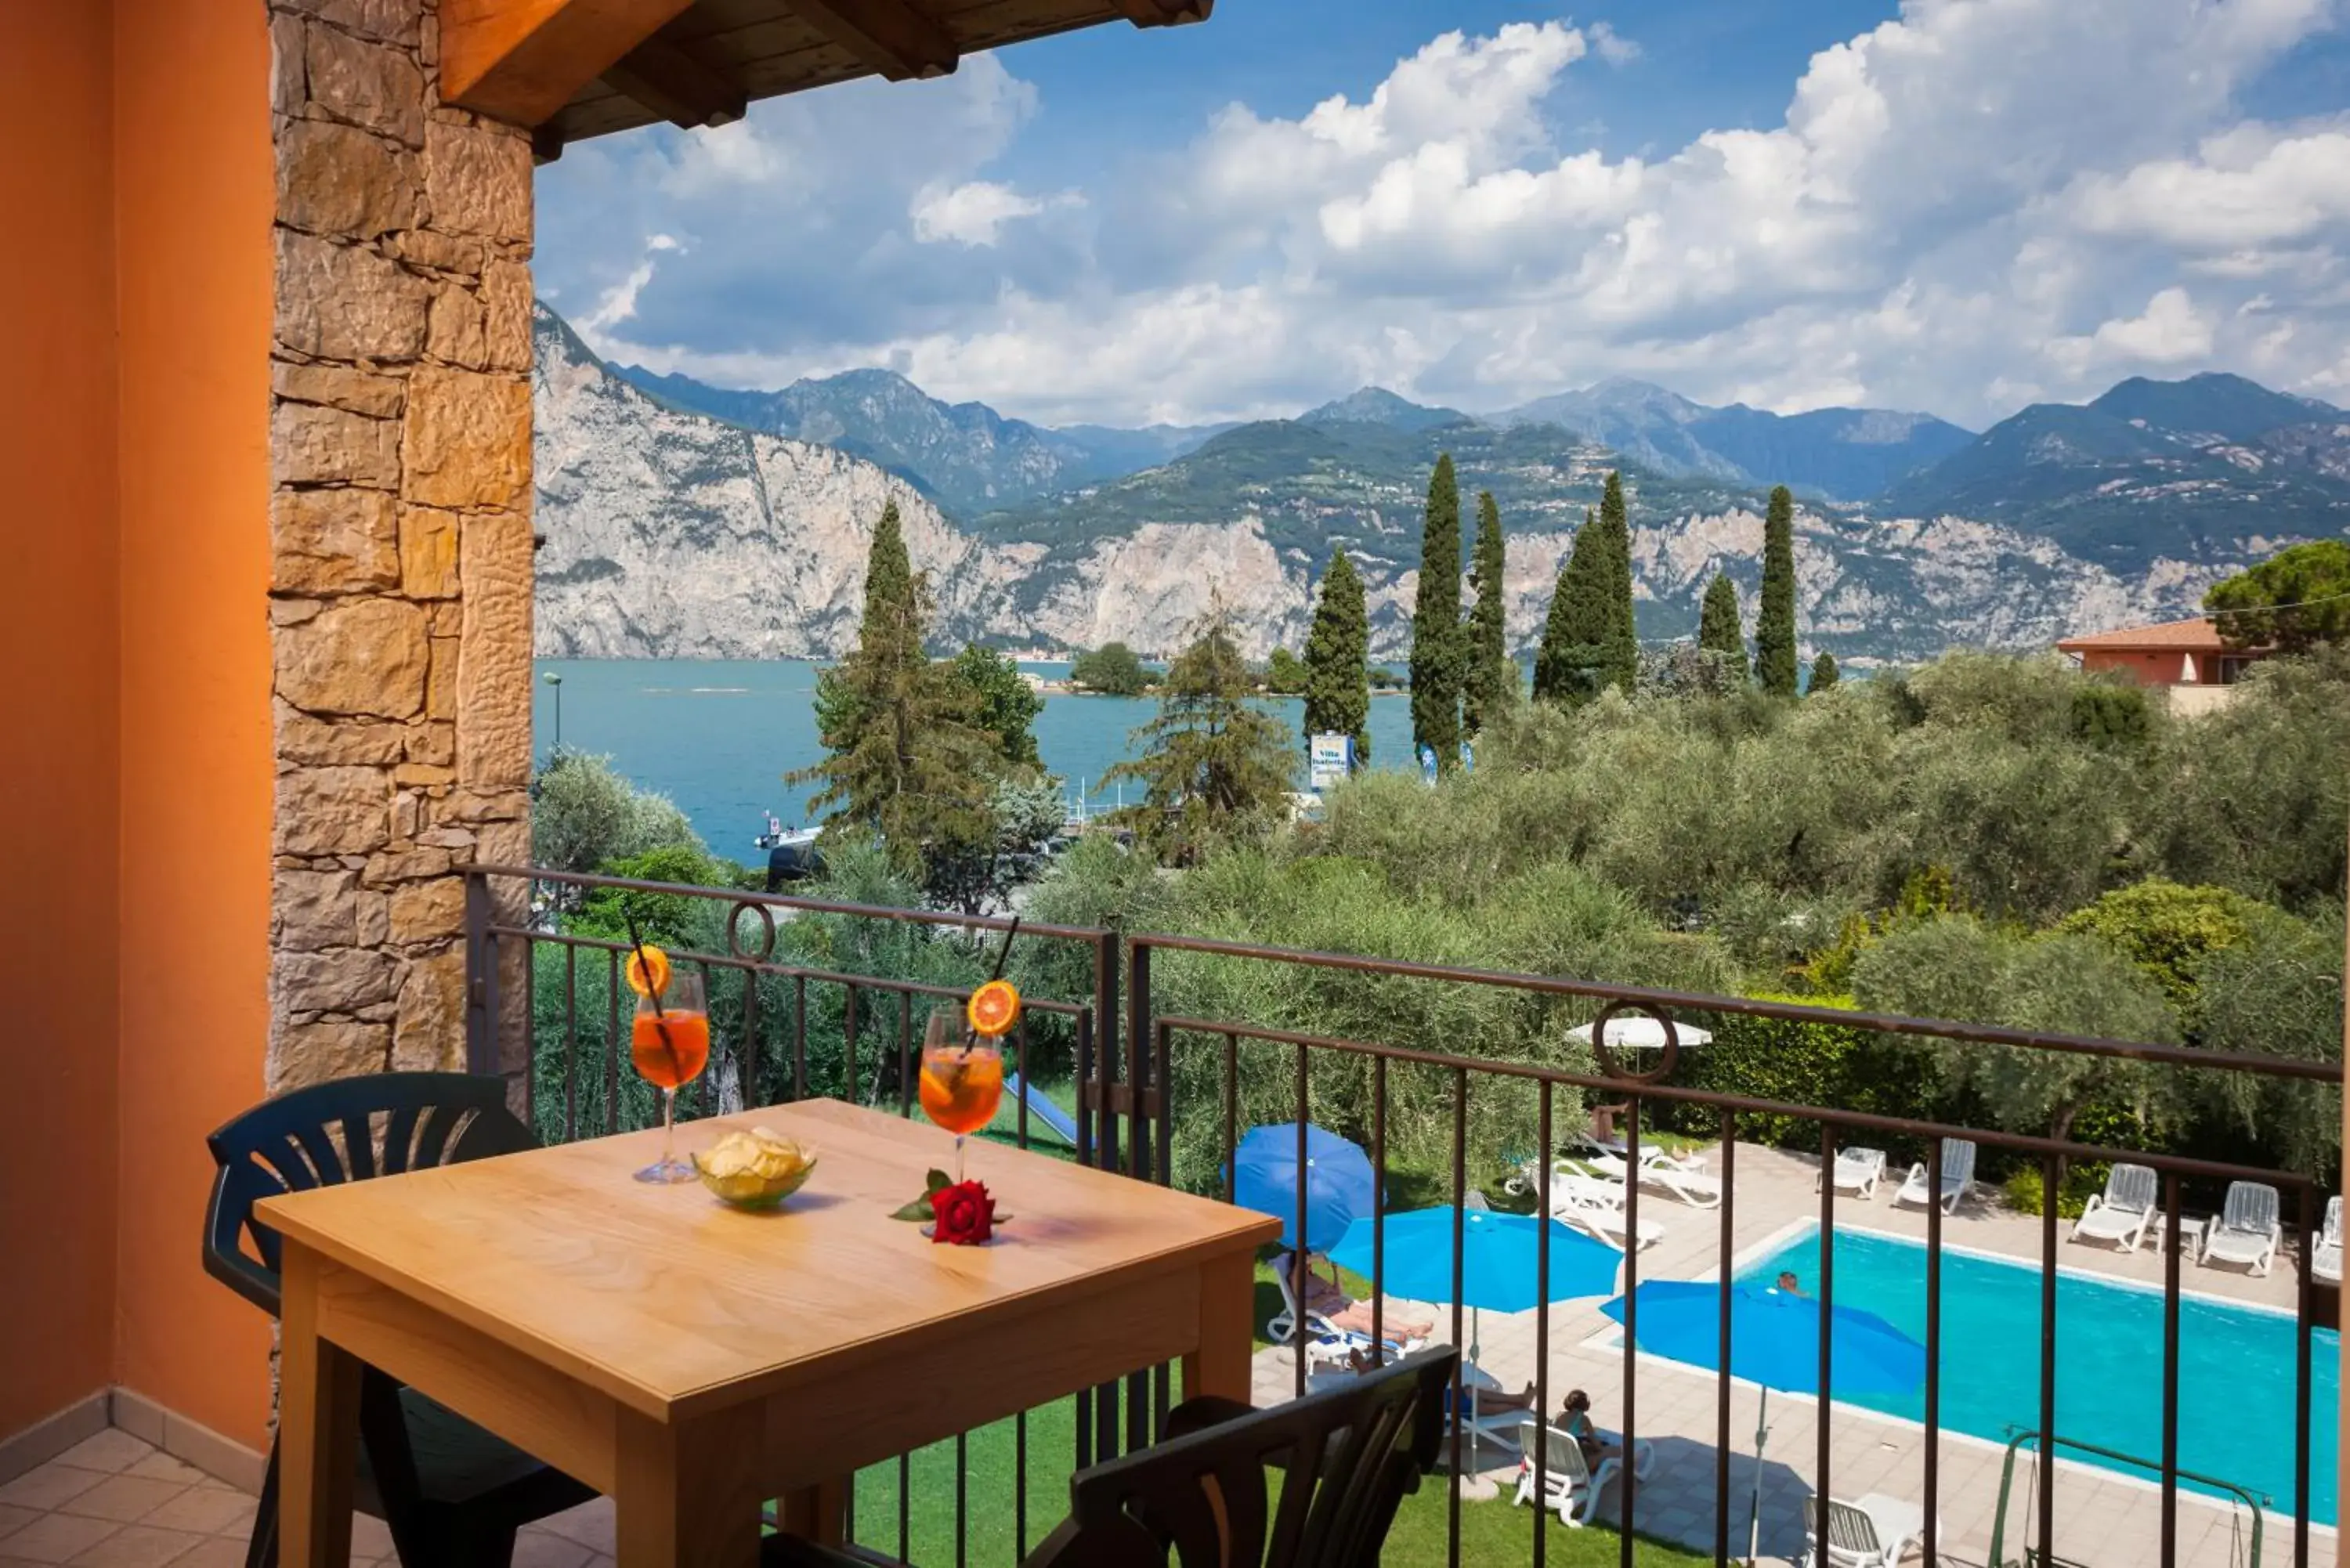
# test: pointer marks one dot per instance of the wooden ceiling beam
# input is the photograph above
(521, 60)
(888, 36)
(1164, 13)
(677, 87)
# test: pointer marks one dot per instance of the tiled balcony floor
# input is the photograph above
(2103, 1521)
(112, 1501)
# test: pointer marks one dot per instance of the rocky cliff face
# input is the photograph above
(672, 535)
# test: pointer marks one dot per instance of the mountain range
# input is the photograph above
(674, 533)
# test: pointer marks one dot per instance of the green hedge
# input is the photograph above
(1805, 1062)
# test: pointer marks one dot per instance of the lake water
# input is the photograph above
(717, 735)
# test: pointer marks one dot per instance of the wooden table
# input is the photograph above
(691, 1361)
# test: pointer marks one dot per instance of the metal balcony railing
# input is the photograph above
(1165, 1099)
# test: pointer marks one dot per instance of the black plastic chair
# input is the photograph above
(451, 1492)
(1349, 1456)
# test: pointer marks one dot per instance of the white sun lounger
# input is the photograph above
(1685, 1178)
(1871, 1532)
(1325, 1340)
(2123, 1211)
(1958, 1177)
(1857, 1171)
(2326, 1256)
(1595, 1205)
(1567, 1479)
(2246, 1230)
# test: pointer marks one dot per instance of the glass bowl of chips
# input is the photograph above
(755, 1169)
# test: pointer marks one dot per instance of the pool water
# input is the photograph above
(2235, 1370)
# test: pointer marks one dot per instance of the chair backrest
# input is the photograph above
(378, 1124)
(2330, 1231)
(1199, 1498)
(1958, 1160)
(2251, 1206)
(2132, 1188)
(1852, 1534)
(1561, 1455)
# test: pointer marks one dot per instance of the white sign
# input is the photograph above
(1329, 759)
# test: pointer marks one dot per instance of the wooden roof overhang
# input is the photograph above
(575, 69)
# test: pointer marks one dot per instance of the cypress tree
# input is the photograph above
(1492, 676)
(1774, 623)
(1620, 665)
(1436, 635)
(1824, 671)
(1574, 634)
(1717, 623)
(889, 582)
(1337, 669)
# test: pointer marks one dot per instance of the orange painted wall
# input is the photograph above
(194, 197)
(57, 746)
(2145, 668)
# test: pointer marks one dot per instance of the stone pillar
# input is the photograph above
(400, 521)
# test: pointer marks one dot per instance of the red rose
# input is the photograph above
(963, 1215)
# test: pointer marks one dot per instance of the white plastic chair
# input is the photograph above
(2123, 1211)
(1958, 1177)
(1871, 1532)
(1858, 1170)
(2246, 1230)
(2326, 1256)
(1566, 1477)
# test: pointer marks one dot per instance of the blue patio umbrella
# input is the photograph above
(1775, 1340)
(1339, 1183)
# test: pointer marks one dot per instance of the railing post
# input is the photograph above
(480, 1032)
(1138, 1079)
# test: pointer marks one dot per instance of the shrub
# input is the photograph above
(583, 813)
(2168, 930)
(1805, 1062)
(2027, 1189)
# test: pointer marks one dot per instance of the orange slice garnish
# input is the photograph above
(994, 1008)
(648, 970)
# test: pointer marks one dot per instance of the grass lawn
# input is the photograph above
(1493, 1534)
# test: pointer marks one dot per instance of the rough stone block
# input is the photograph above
(294, 611)
(366, 84)
(287, 87)
(338, 180)
(313, 909)
(466, 439)
(347, 302)
(306, 1054)
(432, 743)
(474, 806)
(333, 541)
(426, 776)
(428, 911)
(371, 917)
(506, 299)
(311, 445)
(333, 810)
(405, 865)
(428, 553)
(493, 677)
(441, 684)
(304, 742)
(363, 657)
(387, 21)
(503, 843)
(338, 980)
(454, 333)
(444, 252)
(340, 387)
(477, 180)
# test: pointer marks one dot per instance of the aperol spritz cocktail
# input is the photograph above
(962, 1079)
(669, 1043)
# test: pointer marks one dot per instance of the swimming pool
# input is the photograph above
(2235, 1368)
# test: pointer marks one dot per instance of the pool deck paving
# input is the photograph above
(2102, 1520)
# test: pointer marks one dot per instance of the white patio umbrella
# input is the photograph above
(1638, 1032)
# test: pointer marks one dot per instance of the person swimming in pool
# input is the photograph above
(1789, 1283)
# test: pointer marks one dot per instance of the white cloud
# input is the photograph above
(1979, 203)
(974, 213)
(619, 303)
(1611, 45)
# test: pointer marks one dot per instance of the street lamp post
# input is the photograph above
(556, 680)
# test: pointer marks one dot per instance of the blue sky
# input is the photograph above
(1955, 205)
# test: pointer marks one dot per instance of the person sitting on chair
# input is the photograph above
(1575, 1420)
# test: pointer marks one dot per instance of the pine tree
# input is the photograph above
(905, 755)
(1492, 679)
(1338, 672)
(1567, 665)
(1621, 664)
(1717, 623)
(1214, 764)
(1774, 623)
(1437, 643)
(1824, 671)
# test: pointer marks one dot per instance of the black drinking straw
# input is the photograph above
(1005, 951)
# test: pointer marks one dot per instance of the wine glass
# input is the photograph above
(962, 1080)
(669, 1041)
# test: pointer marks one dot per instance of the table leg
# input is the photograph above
(1220, 1367)
(317, 1426)
(689, 1494)
(818, 1512)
